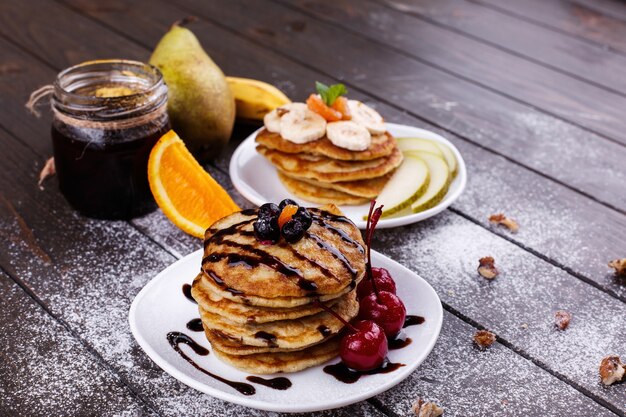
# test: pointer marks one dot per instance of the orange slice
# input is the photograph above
(186, 193)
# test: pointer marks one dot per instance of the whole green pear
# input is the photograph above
(200, 105)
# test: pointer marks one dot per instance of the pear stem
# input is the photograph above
(337, 316)
(184, 21)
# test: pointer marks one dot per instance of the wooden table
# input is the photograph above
(532, 92)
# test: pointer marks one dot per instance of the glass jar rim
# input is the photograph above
(149, 90)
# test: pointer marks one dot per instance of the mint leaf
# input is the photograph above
(330, 93)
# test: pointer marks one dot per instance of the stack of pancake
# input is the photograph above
(321, 172)
(259, 304)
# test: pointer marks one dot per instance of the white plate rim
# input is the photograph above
(250, 194)
(400, 374)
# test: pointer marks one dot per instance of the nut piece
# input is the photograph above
(426, 409)
(619, 265)
(562, 319)
(612, 370)
(484, 338)
(487, 268)
(501, 219)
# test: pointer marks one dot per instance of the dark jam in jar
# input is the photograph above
(108, 116)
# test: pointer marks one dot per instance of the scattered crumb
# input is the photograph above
(487, 268)
(501, 219)
(426, 409)
(48, 170)
(524, 326)
(484, 338)
(562, 319)
(619, 265)
(612, 370)
(504, 402)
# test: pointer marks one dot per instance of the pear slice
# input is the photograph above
(440, 178)
(448, 155)
(405, 186)
(419, 145)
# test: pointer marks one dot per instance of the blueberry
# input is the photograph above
(269, 211)
(266, 230)
(304, 217)
(285, 202)
(293, 231)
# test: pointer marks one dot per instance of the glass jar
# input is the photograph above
(107, 117)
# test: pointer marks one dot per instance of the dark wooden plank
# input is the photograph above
(579, 58)
(520, 132)
(45, 371)
(585, 21)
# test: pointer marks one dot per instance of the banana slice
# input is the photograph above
(302, 126)
(349, 135)
(366, 116)
(272, 119)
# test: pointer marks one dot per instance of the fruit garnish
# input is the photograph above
(383, 307)
(341, 105)
(365, 347)
(287, 214)
(186, 193)
(288, 220)
(329, 94)
(266, 228)
(384, 282)
(317, 105)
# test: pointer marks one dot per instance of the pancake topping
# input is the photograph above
(287, 219)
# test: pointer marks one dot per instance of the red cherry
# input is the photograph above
(383, 282)
(364, 349)
(386, 309)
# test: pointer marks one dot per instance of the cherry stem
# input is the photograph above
(372, 220)
(367, 233)
(337, 316)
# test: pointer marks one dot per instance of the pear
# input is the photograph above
(200, 105)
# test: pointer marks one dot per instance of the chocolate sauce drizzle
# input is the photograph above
(176, 338)
(254, 256)
(411, 320)
(187, 293)
(269, 338)
(342, 373)
(219, 281)
(400, 341)
(195, 325)
(280, 383)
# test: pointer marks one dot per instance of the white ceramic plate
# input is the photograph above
(161, 307)
(256, 179)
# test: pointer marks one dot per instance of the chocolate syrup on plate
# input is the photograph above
(195, 325)
(411, 320)
(349, 376)
(187, 292)
(281, 383)
(399, 342)
(176, 338)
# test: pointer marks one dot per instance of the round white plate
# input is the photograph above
(256, 179)
(161, 307)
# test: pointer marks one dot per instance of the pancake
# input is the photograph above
(330, 170)
(237, 312)
(382, 145)
(270, 363)
(327, 260)
(367, 189)
(285, 334)
(203, 284)
(316, 194)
